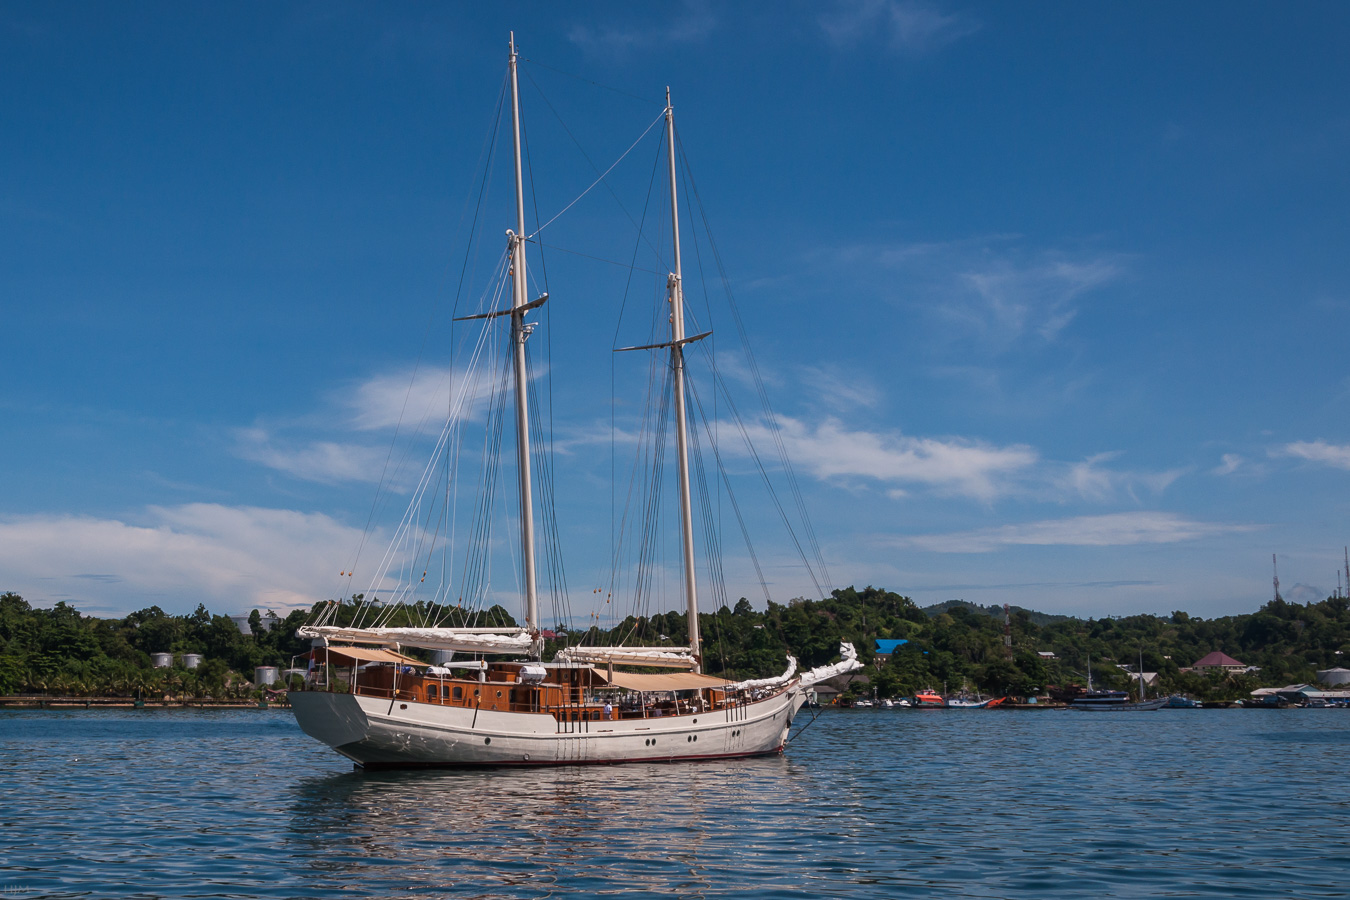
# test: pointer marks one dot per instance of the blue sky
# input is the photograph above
(1052, 298)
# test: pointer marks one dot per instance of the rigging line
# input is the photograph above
(406, 523)
(768, 483)
(640, 448)
(593, 166)
(736, 507)
(535, 62)
(486, 152)
(637, 244)
(597, 181)
(758, 379)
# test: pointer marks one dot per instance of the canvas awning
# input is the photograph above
(664, 681)
(346, 656)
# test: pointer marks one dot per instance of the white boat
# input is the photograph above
(493, 700)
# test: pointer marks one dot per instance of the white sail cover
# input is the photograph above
(849, 663)
(758, 684)
(475, 640)
(670, 658)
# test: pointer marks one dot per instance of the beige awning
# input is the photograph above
(664, 681)
(345, 656)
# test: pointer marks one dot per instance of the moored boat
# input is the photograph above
(378, 705)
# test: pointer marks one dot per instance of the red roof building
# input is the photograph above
(1218, 661)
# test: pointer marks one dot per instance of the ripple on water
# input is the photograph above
(868, 804)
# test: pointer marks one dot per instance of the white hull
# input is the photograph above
(374, 732)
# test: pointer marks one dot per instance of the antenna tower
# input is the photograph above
(1007, 630)
(1276, 566)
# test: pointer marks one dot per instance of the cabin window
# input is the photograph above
(445, 691)
(499, 694)
(574, 715)
(459, 693)
(595, 715)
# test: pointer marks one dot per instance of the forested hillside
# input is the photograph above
(59, 650)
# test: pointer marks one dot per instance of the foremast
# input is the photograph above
(519, 333)
(675, 297)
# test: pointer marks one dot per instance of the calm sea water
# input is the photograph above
(241, 804)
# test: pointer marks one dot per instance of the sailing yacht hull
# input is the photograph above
(377, 733)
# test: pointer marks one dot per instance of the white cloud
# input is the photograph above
(323, 461)
(953, 465)
(1230, 464)
(1089, 480)
(1112, 530)
(838, 387)
(230, 558)
(1014, 300)
(412, 398)
(1337, 455)
(906, 26)
(957, 465)
(694, 23)
(988, 289)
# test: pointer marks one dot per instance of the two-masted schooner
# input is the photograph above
(497, 702)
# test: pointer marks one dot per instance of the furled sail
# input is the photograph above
(849, 663)
(669, 658)
(468, 640)
(759, 684)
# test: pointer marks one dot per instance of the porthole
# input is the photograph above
(499, 694)
(403, 706)
(690, 738)
(487, 740)
(696, 721)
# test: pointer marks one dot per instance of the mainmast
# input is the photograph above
(675, 296)
(519, 332)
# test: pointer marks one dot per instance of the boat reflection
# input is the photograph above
(527, 832)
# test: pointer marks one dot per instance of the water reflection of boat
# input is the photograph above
(530, 833)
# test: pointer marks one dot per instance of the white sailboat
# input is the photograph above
(502, 704)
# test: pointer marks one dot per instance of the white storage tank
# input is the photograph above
(1334, 677)
(161, 660)
(192, 660)
(265, 675)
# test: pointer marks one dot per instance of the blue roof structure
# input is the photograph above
(888, 646)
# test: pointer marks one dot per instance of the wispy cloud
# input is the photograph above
(831, 450)
(1112, 530)
(1230, 463)
(1006, 298)
(969, 468)
(694, 22)
(1336, 455)
(988, 290)
(410, 398)
(908, 27)
(323, 461)
(1091, 480)
(839, 387)
(232, 558)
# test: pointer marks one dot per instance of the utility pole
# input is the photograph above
(1276, 566)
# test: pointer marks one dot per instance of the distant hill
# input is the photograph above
(995, 611)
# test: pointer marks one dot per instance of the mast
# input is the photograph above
(675, 296)
(519, 332)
